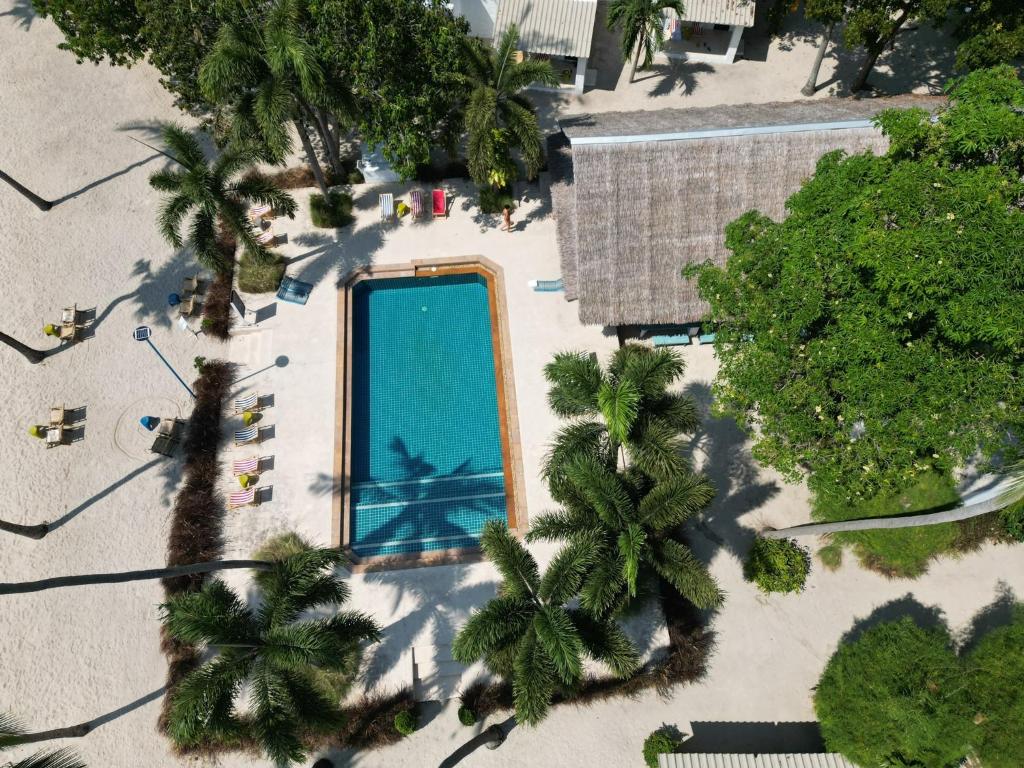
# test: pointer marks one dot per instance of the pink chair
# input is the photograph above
(416, 203)
(440, 203)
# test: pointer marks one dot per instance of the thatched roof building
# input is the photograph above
(637, 195)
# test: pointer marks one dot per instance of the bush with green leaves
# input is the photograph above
(494, 200)
(467, 716)
(1012, 519)
(663, 741)
(336, 212)
(406, 722)
(777, 565)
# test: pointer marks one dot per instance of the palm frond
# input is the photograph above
(657, 449)
(166, 181)
(677, 565)
(521, 122)
(275, 722)
(230, 66)
(533, 681)
(603, 489)
(504, 56)
(256, 187)
(651, 369)
(61, 758)
(529, 71)
(203, 239)
(501, 620)
(574, 379)
(183, 145)
(605, 585)
(11, 730)
(272, 110)
(203, 703)
(565, 573)
(678, 411)
(631, 544)
(619, 404)
(670, 503)
(515, 564)
(576, 440)
(172, 212)
(559, 525)
(314, 710)
(215, 615)
(557, 635)
(604, 640)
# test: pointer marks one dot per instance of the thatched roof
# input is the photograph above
(631, 215)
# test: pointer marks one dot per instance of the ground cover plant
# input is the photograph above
(261, 277)
(899, 694)
(777, 565)
(867, 341)
(663, 741)
(335, 212)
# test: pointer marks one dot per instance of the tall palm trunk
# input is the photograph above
(40, 203)
(32, 355)
(636, 60)
(29, 531)
(330, 142)
(22, 587)
(812, 80)
(964, 512)
(314, 163)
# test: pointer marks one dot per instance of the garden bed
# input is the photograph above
(217, 303)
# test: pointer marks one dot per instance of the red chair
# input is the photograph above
(440, 203)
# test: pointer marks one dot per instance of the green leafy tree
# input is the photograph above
(528, 635)
(990, 32)
(94, 31)
(272, 79)
(624, 411)
(279, 655)
(215, 193)
(12, 734)
(871, 337)
(777, 565)
(640, 23)
(405, 63)
(498, 117)
(631, 527)
(828, 13)
(894, 697)
(995, 667)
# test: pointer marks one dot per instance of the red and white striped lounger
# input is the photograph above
(246, 498)
(259, 211)
(266, 238)
(416, 201)
(245, 466)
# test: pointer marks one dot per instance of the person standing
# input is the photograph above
(506, 217)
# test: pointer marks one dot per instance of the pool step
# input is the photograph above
(436, 675)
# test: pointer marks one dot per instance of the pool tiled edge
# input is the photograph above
(508, 416)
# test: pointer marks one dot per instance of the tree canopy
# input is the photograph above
(875, 334)
(990, 32)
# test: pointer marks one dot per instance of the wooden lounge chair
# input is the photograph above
(250, 466)
(247, 435)
(55, 436)
(247, 498)
(68, 332)
(164, 445)
(70, 315)
(671, 340)
(250, 402)
(191, 284)
(171, 428)
(57, 416)
(187, 306)
(387, 206)
(267, 238)
(416, 203)
(440, 203)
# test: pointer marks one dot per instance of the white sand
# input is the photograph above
(71, 655)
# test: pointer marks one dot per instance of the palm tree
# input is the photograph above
(632, 525)
(30, 354)
(215, 195)
(12, 734)
(269, 74)
(277, 656)
(623, 411)
(528, 634)
(39, 202)
(640, 22)
(498, 117)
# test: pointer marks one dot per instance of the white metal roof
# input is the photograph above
(738, 12)
(552, 27)
(707, 760)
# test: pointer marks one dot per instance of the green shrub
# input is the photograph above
(899, 552)
(895, 696)
(494, 200)
(467, 716)
(663, 741)
(996, 671)
(355, 176)
(406, 722)
(1012, 519)
(254, 277)
(777, 565)
(337, 212)
(831, 556)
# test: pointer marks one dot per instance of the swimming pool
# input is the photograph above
(427, 466)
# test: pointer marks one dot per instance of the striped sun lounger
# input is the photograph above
(245, 466)
(259, 211)
(247, 435)
(248, 402)
(416, 203)
(387, 206)
(246, 498)
(266, 238)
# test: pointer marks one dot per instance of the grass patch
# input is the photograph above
(494, 200)
(256, 277)
(831, 556)
(336, 212)
(900, 552)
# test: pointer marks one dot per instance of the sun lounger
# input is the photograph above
(261, 212)
(68, 332)
(190, 284)
(247, 498)
(55, 436)
(387, 206)
(250, 466)
(170, 428)
(673, 340)
(707, 338)
(266, 238)
(250, 402)
(247, 435)
(57, 416)
(440, 203)
(547, 286)
(187, 305)
(69, 315)
(416, 203)
(164, 445)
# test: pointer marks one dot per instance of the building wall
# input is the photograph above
(479, 13)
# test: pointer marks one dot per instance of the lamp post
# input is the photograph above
(142, 333)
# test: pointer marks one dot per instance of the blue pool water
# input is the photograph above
(426, 466)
